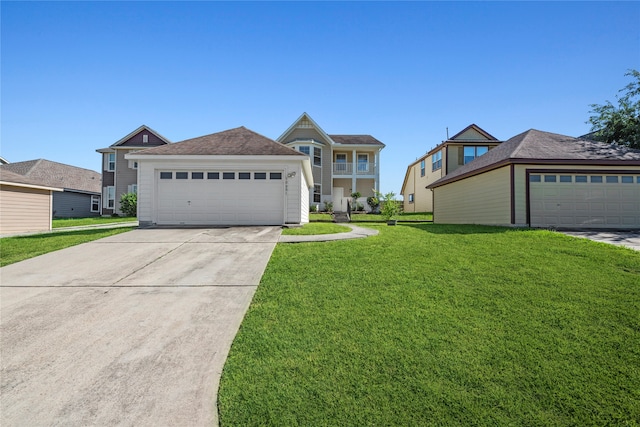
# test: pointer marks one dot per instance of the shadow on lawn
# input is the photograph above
(460, 228)
(39, 236)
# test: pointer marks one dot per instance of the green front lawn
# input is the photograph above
(408, 216)
(316, 228)
(440, 325)
(94, 220)
(14, 249)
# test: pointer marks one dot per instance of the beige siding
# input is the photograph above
(423, 198)
(481, 199)
(326, 170)
(24, 209)
(365, 187)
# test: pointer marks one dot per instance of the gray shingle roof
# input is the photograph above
(355, 140)
(534, 146)
(52, 174)
(8, 176)
(233, 142)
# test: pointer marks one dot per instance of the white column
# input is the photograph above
(353, 173)
(377, 166)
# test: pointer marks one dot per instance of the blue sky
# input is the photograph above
(77, 76)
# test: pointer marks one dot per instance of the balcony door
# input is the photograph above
(363, 163)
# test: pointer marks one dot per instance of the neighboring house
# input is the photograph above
(235, 177)
(25, 205)
(120, 176)
(542, 179)
(457, 151)
(3, 161)
(341, 164)
(81, 195)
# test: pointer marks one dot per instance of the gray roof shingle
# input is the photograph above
(544, 147)
(58, 175)
(355, 140)
(233, 142)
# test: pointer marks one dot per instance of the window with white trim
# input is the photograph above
(316, 193)
(110, 200)
(304, 149)
(436, 161)
(111, 162)
(411, 198)
(363, 163)
(133, 188)
(95, 203)
(145, 138)
(422, 168)
(317, 156)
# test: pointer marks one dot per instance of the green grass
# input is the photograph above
(358, 217)
(95, 220)
(14, 249)
(316, 228)
(320, 217)
(440, 325)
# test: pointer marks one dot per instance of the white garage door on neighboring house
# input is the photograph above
(219, 197)
(585, 199)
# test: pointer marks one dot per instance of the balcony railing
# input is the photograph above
(361, 169)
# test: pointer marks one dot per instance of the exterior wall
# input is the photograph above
(327, 170)
(125, 176)
(137, 141)
(296, 209)
(481, 199)
(24, 209)
(520, 183)
(365, 187)
(304, 200)
(416, 184)
(108, 180)
(69, 204)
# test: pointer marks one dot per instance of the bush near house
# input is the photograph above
(129, 204)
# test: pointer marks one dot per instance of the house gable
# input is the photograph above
(143, 136)
(473, 133)
(305, 129)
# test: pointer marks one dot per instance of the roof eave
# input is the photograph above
(37, 187)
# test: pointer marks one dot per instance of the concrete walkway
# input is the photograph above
(355, 233)
(628, 239)
(133, 329)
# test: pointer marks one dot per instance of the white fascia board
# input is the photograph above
(37, 187)
(105, 150)
(357, 146)
(160, 157)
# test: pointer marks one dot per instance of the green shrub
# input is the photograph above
(129, 204)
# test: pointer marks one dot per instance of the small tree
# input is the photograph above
(129, 204)
(373, 203)
(390, 207)
(355, 196)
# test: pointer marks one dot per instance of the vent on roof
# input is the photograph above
(304, 123)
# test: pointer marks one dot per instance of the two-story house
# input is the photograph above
(341, 164)
(119, 175)
(460, 149)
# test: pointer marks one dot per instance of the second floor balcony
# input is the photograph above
(347, 169)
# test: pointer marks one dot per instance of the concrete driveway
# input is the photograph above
(629, 239)
(133, 329)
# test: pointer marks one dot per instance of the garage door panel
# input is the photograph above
(610, 203)
(220, 201)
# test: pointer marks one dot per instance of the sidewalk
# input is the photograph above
(77, 228)
(355, 233)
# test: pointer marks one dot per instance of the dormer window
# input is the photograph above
(304, 149)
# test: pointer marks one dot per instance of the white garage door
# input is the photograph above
(220, 197)
(584, 200)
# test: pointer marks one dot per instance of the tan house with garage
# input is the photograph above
(25, 204)
(341, 164)
(542, 179)
(457, 151)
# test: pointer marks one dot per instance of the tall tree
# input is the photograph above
(619, 124)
